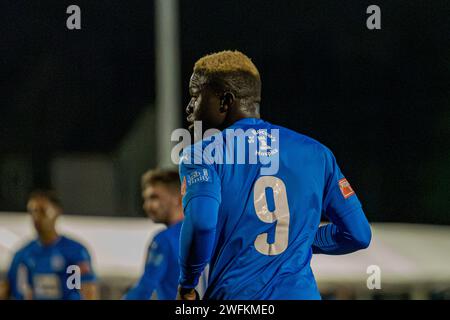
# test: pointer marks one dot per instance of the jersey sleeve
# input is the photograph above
(82, 258)
(197, 239)
(12, 271)
(339, 197)
(155, 269)
(349, 229)
(17, 276)
(198, 176)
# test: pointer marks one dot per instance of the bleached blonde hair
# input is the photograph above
(231, 71)
(226, 62)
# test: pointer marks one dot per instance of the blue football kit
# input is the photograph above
(257, 223)
(17, 277)
(161, 269)
(48, 272)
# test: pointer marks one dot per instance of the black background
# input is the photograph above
(379, 99)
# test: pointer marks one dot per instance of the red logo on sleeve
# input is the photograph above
(346, 189)
(183, 187)
(84, 267)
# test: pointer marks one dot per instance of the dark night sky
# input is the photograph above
(378, 99)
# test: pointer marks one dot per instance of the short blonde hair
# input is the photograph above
(226, 62)
(231, 71)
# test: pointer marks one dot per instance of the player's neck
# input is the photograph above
(48, 238)
(239, 116)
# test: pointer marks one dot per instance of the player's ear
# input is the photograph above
(226, 100)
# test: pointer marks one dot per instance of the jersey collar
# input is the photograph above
(246, 121)
(54, 243)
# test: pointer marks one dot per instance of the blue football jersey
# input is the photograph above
(163, 253)
(17, 277)
(47, 272)
(267, 219)
(161, 270)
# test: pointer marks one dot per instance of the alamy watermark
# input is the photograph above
(73, 22)
(374, 279)
(74, 278)
(232, 146)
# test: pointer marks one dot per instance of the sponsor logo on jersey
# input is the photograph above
(346, 189)
(57, 263)
(198, 176)
(47, 286)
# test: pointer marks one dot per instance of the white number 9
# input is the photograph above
(280, 214)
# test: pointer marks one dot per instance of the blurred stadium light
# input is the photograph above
(413, 259)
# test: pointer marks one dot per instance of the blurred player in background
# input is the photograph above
(52, 267)
(258, 231)
(162, 203)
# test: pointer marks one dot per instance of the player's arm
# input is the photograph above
(349, 229)
(4, 290)
(196, 241)
(201, 190)
(17, 286)
(88, 289)
(346, 234)
(155, 269)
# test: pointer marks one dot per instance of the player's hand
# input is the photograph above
(187, 294)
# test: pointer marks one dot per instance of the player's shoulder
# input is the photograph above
(72, 249)
(194, 153)
(169, 232)
(174, 230)
(295, 139)
(162, 235)
(26, 248)
(24, 252)
(70, 244)
(166, 236)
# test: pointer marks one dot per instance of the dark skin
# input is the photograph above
(216, 108)
(44, 214)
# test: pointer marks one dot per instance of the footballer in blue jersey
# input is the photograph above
(162, 203)
(52, 267)
(254, 194)
(43, 271)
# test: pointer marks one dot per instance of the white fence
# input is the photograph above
(413, 259)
